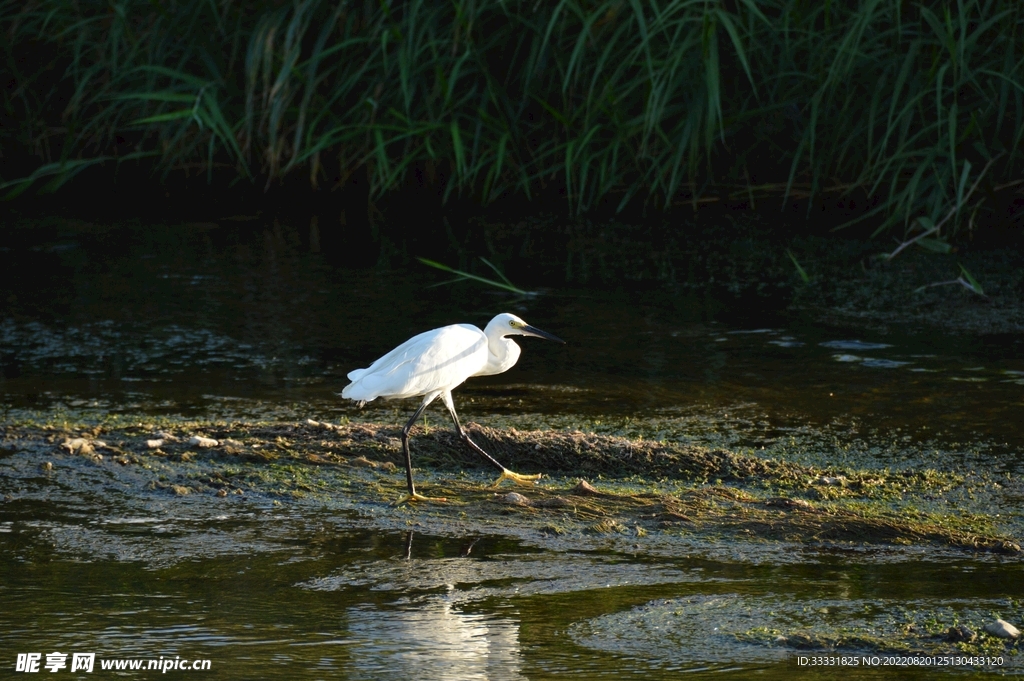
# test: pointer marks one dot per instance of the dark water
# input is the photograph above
(248, 319)
(181, 319)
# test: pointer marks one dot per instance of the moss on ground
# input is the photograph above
(635, 486)
(921, 635)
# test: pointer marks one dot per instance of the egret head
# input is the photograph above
(507, 324)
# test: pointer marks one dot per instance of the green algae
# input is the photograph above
(759, 627)
(636, 486)
(911, 631)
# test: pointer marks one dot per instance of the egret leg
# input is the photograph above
(506, 474)
(412, 495)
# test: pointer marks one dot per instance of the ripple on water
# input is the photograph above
(95, 348)
(853, 345)
(876, 363)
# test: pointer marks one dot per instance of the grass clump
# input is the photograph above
(918, 105)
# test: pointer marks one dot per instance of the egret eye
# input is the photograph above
(511, 322)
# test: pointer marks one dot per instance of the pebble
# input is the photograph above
(584, 488)
(1002, 629)
(200, 441)
(154, 444)
(516, 499)
(77, 445)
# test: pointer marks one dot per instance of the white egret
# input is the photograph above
(436, 362)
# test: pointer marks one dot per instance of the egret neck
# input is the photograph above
(502, 352)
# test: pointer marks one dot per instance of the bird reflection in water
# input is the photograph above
(432, 637)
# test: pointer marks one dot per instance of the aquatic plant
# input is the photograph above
(965, 279)
(906, 103)
(504, 284)
(804, 277)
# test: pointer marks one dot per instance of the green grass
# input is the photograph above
(914, 104)
(504, 284)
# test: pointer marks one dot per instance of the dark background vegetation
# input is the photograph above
(906, 117)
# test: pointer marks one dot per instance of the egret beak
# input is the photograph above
(534, 331)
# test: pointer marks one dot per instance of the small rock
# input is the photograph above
(222, 492)
(1002, 629)
(181, 490)
(363, 462)
(163, 435)
(231, 443)
(78, 445)
(46, 466)
(155, 444)
(200, 441)
(961, 634)
(836, 480)
(584, 488)
(514, 499)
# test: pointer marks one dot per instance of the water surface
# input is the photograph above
(247, 320)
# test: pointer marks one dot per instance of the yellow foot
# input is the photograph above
(418, 497)
(517, 478)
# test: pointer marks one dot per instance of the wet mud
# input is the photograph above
(594, 484)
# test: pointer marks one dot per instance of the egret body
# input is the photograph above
(436, 362)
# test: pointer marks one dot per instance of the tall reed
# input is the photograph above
(663, 100)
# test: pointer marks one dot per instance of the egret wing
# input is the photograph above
(436, 360)
(397, 355)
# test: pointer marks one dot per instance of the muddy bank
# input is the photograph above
(595, 485)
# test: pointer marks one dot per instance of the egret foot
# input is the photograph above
(419, 497)
(517, 478)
